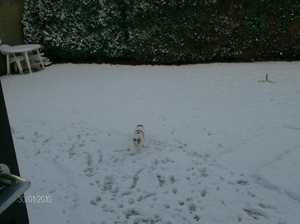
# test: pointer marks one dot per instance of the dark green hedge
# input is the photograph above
(166, 32)
(76, 30)
(204, 30)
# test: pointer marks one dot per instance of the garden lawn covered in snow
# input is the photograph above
(221, 146)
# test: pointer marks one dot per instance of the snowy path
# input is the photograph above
(221, 146)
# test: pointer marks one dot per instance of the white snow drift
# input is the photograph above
(221, 146)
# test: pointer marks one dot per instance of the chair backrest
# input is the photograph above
(3, 48)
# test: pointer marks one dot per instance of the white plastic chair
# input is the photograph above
(11, 58)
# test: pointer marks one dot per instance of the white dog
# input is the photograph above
(138, 137)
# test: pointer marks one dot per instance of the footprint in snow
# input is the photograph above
(161, 180)
(171, 179)
(96, 201)
(255, 213)
(192, 208)
(135, 179)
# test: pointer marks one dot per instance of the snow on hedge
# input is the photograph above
(76, 29)
(165, 32)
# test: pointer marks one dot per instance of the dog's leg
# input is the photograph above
(138, 150)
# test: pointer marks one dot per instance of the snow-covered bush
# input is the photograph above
(212, 30)
(267, 30)
(282, 35)
(76, 29)
(165, 32)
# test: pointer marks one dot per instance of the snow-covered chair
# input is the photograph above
(23, 56)
(14, 59)
(35, 61)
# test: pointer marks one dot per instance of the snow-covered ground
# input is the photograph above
(221, 146)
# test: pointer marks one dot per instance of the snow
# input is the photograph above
(221, 147)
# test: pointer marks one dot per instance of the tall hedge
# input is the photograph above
(208, 30)
(166, 32)
(262, 30)
(76, 29)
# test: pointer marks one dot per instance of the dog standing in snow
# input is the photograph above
(138, 137)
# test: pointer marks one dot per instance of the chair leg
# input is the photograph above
(27, 61)
(38, 52)
(7, 64)
(19, 64)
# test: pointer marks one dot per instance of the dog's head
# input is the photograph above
(137, 138)
(136, 141)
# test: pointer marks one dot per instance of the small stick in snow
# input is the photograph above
(267, 79)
